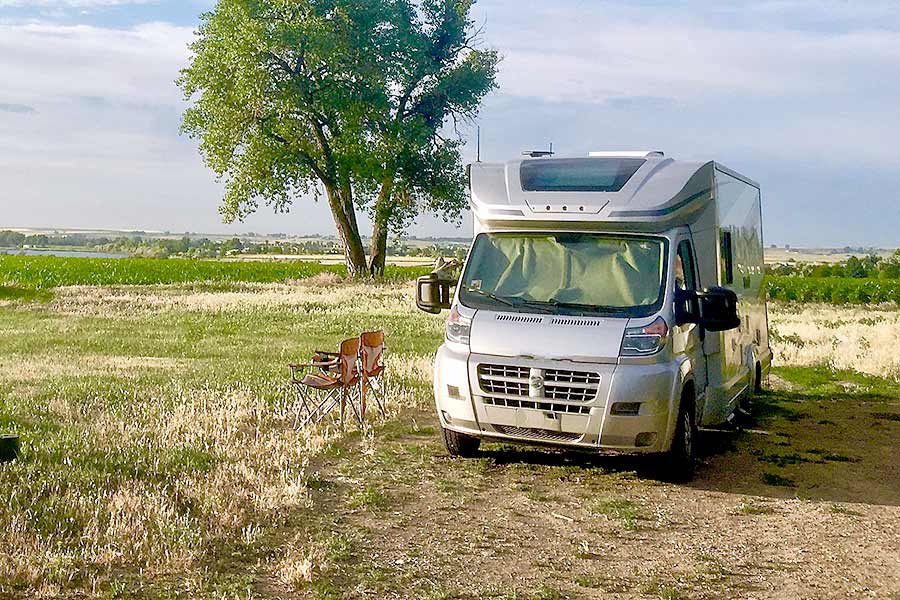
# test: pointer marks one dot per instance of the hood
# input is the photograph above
(581, 339)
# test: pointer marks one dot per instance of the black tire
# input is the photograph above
(460, 444)
(757, 380)
(682, 458)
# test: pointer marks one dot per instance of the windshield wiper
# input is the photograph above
(491, 295)
(510, 301)
(594, 308)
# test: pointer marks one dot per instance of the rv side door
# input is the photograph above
(687, 338)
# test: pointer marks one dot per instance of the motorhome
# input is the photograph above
(608, 302)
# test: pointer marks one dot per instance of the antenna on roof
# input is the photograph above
(539, 153)
(478, 145)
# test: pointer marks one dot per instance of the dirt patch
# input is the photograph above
(533, 523)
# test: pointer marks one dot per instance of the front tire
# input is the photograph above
(460, 444)
(681, 459)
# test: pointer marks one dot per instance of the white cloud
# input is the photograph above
(44, 62)
(570, 52)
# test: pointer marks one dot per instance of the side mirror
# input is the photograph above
(718, 309)
(433, 293)
(714, 309)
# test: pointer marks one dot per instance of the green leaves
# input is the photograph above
(289, 97)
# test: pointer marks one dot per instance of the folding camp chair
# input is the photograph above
(371, 355)
(321, 385)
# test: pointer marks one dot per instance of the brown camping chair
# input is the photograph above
(322, 384)
(371, 355)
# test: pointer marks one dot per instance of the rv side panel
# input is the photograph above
(741, 268)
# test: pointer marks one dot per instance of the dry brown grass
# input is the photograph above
(154, 465)
(863, 338)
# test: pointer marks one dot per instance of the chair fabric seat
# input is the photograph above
(375, 372)
(320, 382)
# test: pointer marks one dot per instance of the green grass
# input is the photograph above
(159, 441)
(371, 498)
(752, 508)
(833, 290)
(618, 508)
(664, 591)
(17, 294)
(774, 479)
(45, 272)
(837, 509)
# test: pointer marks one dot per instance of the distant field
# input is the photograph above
(815, 255)
(833, 290)
(335, 259)
(43, 272)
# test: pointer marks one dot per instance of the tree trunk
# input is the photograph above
(348, 231)
(380, 228)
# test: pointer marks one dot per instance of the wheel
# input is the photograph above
(460, 444)
(757, 381)
(681, 459)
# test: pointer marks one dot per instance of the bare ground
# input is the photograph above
(805, 504)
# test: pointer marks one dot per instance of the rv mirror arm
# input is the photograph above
(687, 309)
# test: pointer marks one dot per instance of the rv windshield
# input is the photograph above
(567, 273)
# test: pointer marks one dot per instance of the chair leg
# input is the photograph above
(315, 410)
(305, 408)
(380, 392)
(363, 386)
(352, 398)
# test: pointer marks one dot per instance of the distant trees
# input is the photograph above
(869, 266)
(344, 97)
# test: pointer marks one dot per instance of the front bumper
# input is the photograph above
(464, 406)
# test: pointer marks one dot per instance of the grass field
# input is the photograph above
(834, 290)
(44, 272)
(160, 460)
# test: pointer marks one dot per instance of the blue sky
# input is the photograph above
(802, 96)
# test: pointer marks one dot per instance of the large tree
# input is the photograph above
(351, 98)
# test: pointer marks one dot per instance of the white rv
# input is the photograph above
(611, 302)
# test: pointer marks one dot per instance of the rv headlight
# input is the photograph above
(643, 341)
(458, 327)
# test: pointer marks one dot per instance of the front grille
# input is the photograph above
(513, 382)
(572, 386)
(538, 434)
(503, 379)
(538, 405)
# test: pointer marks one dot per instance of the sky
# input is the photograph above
(801, 96)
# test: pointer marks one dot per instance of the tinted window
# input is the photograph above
(577, 174)
(727, 258)
(685, 276)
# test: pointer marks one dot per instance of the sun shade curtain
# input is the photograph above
(587, 269)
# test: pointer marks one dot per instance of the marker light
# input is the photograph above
(643, 341)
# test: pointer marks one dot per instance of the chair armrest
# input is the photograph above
(326, 363)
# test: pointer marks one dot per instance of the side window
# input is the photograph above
(685, 274)
(727, 259)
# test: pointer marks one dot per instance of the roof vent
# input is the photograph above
(628, 154)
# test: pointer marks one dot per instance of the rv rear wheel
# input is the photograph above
(460, 444)
(682, 457)
(757, 380)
